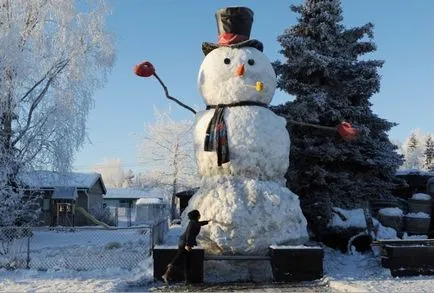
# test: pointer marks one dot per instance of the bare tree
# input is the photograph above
(167, 150)
(54, 55)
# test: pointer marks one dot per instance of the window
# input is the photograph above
(46, 204)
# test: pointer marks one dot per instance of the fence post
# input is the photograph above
(151, 241)
(28, 252)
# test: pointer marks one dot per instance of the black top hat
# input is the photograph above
(234, 25)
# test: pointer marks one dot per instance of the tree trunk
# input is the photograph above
(174, 183)
(6, 118)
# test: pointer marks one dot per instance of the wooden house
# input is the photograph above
(66, 199)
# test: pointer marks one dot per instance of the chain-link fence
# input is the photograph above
(78, 248)
(14, 247)
(125, 215)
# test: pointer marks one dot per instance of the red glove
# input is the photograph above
(144, 69)
(347, 131)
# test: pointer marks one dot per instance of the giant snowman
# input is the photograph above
(242, 147)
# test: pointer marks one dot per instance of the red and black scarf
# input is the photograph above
(216, 138)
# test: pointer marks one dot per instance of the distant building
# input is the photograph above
(415, 181)
(137, 206)
(67, 199)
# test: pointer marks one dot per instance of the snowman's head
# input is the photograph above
(229, 75)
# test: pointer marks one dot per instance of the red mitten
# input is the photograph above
(347, 131)
(144, 69)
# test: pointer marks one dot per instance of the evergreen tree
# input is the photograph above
(412, 142)
(323, 71)
(414, 151)
(429, 154)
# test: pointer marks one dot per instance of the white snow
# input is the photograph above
(411, 237)
(247, 215)
(219, 84)
(342, 272)
(418, 215)
(354, 218)
(39, 179)
(383, 232)
(363, 273)
(396, 212)
(245, 198)
(421, 196)
(258, 144)
(293, 247)
(82, 261)
(149, 200)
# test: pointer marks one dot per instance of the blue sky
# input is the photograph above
(170, 35)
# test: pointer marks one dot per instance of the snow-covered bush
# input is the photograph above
(396, 212)
(421, 196)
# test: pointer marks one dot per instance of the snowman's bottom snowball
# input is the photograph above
(247, 215)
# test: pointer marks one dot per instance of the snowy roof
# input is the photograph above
(150, 200)
(133, 193)
(414, 172)
(51, 179)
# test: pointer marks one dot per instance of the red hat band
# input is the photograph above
(226, 39)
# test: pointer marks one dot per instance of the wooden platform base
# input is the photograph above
(164, 254)
(408, 257)
(296, 263)
(289, 263)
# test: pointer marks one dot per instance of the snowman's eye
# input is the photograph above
(251, 61)
(227, 61)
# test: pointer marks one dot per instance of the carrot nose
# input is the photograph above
(240, 70)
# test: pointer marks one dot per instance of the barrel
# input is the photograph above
(393, 221)
(417, 225)
(419, 205)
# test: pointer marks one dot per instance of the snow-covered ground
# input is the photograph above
(354, 272)
(343, 273)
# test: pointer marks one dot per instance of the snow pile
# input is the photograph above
(393, 212)
(143, 275)
(421, 196)
(348, 218)
(248, 215)
(421, 215)
(406, 236)
(383, 232)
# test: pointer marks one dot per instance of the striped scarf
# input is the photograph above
(216, 138)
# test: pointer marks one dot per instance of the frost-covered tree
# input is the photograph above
(167, 150)
(331, 83)
(129, 179)
(412, 142)
(413, 150)
(112, 172)
(54, 55)
(429, 154)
